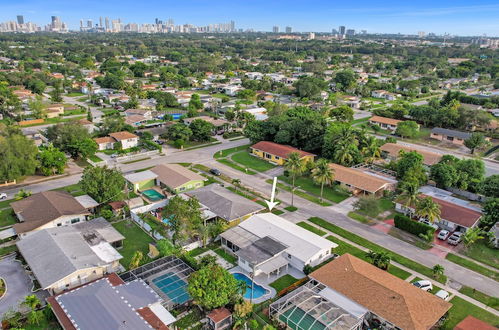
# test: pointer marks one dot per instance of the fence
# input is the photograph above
(140, 155)
(468, 195)
(134, 213)
(8, 183)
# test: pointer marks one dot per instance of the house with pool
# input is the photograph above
(268, 246)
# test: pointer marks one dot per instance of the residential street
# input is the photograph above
(306, 209)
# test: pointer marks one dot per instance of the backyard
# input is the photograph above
(135, 240)
(283, 282)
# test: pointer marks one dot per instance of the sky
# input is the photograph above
(457, 17)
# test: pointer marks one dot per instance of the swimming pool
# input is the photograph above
(153, 195)
(173, 287)
(166, 221)
(258, 290)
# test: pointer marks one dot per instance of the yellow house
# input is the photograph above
(54, 110)
(277, 153)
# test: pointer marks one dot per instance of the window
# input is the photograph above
(269, 156)
(75, 220)
(59, 224)
(277, 157)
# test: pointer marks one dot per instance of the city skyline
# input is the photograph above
(457, 17)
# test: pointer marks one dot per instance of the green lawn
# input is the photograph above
(277, 211)
(257, 164)
(308, 185)
(291, 208)
(311, 228)
(7, 250)
(301, 193)
(344, 247)
(358, 217)
(95, 158)
(74, 112)
(461, 308)
(7, 218)
(483, 253)
(6, 203)
(417, 267)
(283, 282)
(473, 266)
(189, 320)
(75, 94)
(235, 166)
(135, 240)
(481, 297)
(226, 152)
(228, 257)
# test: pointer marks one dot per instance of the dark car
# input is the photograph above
(216, 172)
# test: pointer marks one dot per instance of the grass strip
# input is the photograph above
(311, 228)
(472, 266)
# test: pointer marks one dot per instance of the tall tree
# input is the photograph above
(18, 154)
(476, 140)
(184, 217)
(295, 166)
(322, 174)
(52, 160)
(201, 130)
(428, 209)
(102, 183)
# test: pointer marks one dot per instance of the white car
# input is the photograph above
(442, 294)
(423, 285)
(428, 223)
(455, 238)
(443, 234)
(3, 196)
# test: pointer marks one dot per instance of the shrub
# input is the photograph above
(307, 269)
(403, 222)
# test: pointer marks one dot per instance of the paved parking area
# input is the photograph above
(18, 283)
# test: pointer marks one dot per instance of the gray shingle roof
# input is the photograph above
(451, 132)
(224, 203)
(99, 305)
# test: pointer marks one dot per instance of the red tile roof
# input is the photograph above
(278, 149)
(471, 323)
(384, 120)
(219, 314)
(124, 135)
(151, 318)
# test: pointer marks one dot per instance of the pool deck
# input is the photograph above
(265, 281)
(156, 189)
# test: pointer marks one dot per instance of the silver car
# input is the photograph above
(455, 238)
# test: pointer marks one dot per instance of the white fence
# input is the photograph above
(139, 155)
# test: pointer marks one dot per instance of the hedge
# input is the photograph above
(414, 227)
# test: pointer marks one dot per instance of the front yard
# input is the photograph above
(483, 253)
(7, 218)
(307, 184)
(257, 164)
(135, 240)
(461, 308)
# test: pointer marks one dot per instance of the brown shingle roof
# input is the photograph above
(105, 139)
(455, 213)
(43, 207)
(279, 149)
(472, 323)
(174, 175)
(219, 314)
(387, 296)
(384, 120)
(429, 158)
(358, 179)
(124, 135)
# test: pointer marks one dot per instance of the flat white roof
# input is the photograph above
(140, 176)
(302, 244)
(163, 314)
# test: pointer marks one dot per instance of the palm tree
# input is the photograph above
(236, 183)
(437, 270)
(323, 174)
(371, 149)
(472, 235)
(409, 193)
(379, 259)
(31, 301)
(35, 317)
(428, 209)
(295, 166)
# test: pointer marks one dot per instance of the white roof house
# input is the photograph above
(267, 242)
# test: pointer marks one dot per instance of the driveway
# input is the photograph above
(18, 284)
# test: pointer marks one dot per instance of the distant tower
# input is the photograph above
(107, 23)
(89, 23)
(289, 29)
(20, 19)
(342, 30)
(275, 29)
(81, 23)
(100, 22)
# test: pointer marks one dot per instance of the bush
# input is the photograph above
(152, 145)
(411, 226)
(307, 269)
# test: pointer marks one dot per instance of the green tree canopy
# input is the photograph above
(51, 160)
(179, 131)
(18, 154)
(342, 113)
(185, 218)
(71, 138)
(102, 183)
(490, 186)
(201, 130)
(407, 129)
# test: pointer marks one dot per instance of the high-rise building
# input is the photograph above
(311, 35)
(100, 22)
(89, 23)
(107, 23)
(81, 24)
(20, 19)
(350, 32)
(421, 34)
(275, 29)
(289, 29)
(342, 30)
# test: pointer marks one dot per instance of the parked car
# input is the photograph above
(428, 223)
(455, 238)
(216, 172)
(423, 285)
(443, 234)
(3, 196)
(442, 294)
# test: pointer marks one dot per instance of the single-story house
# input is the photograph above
(449, 135)
(62, 258)
(455, 214)
(385, 123)
(227, 205)
(361, 182)
(382, 94)
(88, 125)
(211, 120)
(46, 210)
(347, 292)
(393, 150)
(126, 139)
(156, 132)
(135, 120)
(177, 178)
(141, 180)
(147, 114)
(259, 113)
(277, 153)
(268, 244)
(54, 110)
(110, 303)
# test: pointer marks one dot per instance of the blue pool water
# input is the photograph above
(173, 286)
(258, 290)
(153, 195)
(166, 221)
(176, 116)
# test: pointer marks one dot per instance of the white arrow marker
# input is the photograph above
(271, 204)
